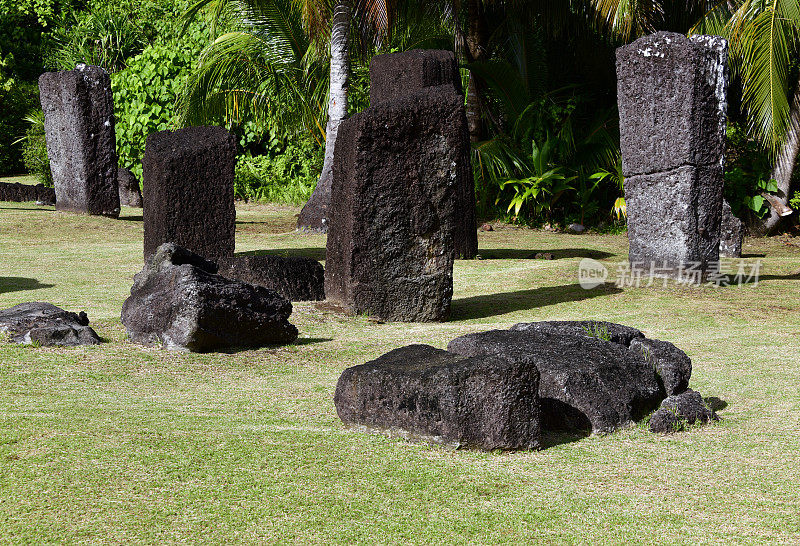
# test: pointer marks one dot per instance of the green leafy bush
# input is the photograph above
(747, 174)
(34, 149)
(145, 95)
(288, 177)
(17, 98)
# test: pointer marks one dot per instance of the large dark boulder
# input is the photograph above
(426, 393)
(45, 324)
(188, 191)
(390, 240)
(677, 412)
(179, 301)
(79, 128)
(396, 75)
(585, 383)
(14, 191)
(130, 193)
(672, 95)
(294, 278)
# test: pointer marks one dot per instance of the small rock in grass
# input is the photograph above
(45, 324)
(676, 412)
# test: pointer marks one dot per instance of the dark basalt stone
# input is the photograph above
(616, 333)
(676, 412)
(79, 128)
(46, 324)
(398, 75)
(672, 365)
(732, 231)
(294, 278)
(672, 95)
(14, 191)
(585, 384)
(390, 240)
(188, 191)
(179, 301)
(426, 393)
(674, 220)
(130, 193)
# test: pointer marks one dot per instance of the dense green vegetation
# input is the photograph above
(538, 77)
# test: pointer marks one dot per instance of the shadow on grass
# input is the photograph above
(20, 284)
(132, 218)
(314, 253)
(552, 438)
(298, 341)
(527, 254)
(716, 404)
(489, 305)
(38, 208)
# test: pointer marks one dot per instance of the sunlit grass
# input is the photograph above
(122, 443)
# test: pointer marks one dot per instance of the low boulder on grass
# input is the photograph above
(40, 323)
(179, 302)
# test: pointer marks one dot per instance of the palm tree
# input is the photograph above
(763, 37)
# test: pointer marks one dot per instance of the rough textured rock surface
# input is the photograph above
(397, 75)
(390, 240)
(672, 365)
(26, 192)
(46, 324)
(294, 278)
(188, 191)
(616, 333)
(585, 383)
(732, 233)
(130, 193)
(79, 127)
(674, 220)
(426, 393)
(672, 96)
(678, 411)
(179, 301)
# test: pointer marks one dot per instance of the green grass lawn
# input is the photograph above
(21, 179)
(119, 443)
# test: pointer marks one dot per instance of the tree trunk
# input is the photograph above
(784, 166)
(477, 44)
(314, 215)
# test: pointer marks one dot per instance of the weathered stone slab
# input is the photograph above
(20, 193)
(673, 366)
(180, 302)
(130, 193)
(45, 324)
(79, 127)
(674, 220)
(397, 75)
(672, 96)
(610, 331)
(426, 393)
(585, 384)
(390, 240)
(294, 278)
(188, 191)
(732, 231)
(676, 412)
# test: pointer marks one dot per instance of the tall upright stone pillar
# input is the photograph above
(396, 75)
(390, 240)
(672, 94)
(79, 127)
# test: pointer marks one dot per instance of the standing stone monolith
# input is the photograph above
(397, 75)
(395, 180)
(672, 94)
(79, 128)
(188, 191)
(732, 231)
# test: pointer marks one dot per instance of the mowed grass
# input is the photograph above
(121, 443)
